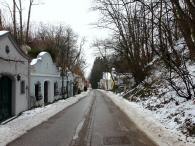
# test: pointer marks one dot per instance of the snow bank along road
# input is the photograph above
(93, 121)
(34, 117)
(146, 121)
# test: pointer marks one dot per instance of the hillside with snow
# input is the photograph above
(156, 95)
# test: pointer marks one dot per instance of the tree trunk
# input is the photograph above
(14, 19)
(28, 21)
(21, 23)
(186, 26)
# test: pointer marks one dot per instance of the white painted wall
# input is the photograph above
(106, 84)
(43, 69)
(12, 69)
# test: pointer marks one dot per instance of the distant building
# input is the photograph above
(106, 82)
(14, 78)
(124, 81)
(118, 82)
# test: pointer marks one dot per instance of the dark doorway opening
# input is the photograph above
(46, 84)
(5, 98)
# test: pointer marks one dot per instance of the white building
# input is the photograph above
(106, 82)
(45, 78)
(14, 78)
(46, 82)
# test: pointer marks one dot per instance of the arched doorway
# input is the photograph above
(46, 87)
(5, 98)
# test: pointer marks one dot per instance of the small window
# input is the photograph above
(22, 87)
(7, 50)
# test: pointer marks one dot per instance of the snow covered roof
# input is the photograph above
(39, 57)
(34, 61)
(42, 53)
(3, 32)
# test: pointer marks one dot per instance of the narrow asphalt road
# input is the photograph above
(93, 121)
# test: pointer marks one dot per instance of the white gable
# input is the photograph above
(43, 64)
(9, 50)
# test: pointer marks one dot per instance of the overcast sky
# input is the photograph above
(75, 13)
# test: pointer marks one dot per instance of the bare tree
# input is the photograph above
(31, 3)
(128, 23)
(20, 30)
(184, 12)
(63, 45)
(69, 56)
(143, 29)
(14, 20)
(20, 10)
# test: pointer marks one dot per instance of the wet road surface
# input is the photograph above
(93, 121)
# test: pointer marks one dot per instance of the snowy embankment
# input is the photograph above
(147, 122)
(34, 117)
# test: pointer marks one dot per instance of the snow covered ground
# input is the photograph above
(34, 117)
(156, 124)
(173, 114)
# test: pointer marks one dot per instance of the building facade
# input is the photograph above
(14, 78)
(25, 84)
(106, 82)
(46, 82)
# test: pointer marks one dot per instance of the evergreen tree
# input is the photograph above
(98, 68)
